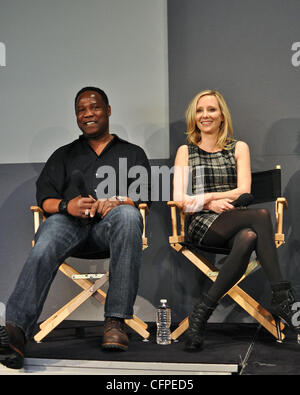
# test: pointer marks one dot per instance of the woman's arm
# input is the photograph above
(180, 183)
(222, 200)
(216, 201)
(243, 163)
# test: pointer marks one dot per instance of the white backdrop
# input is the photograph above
(54, 48)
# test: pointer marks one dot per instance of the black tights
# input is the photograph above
(243, 231)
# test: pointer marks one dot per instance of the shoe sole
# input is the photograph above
(194, 347)
(114, 346)
(10, 356)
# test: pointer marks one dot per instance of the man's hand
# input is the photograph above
(103, 206)
(80, 206)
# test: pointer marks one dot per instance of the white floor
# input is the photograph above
(34, 366)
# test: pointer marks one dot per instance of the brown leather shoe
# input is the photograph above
(114, 336)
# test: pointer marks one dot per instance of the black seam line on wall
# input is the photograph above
(277, 155)
(249, 351)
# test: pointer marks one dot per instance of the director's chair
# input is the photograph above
(90, 288)
(266, 187)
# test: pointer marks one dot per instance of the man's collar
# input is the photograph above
(116, 138)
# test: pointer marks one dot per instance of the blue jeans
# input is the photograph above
(58, 238)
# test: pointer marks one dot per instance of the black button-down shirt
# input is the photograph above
(122, 169)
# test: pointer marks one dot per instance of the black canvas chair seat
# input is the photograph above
(202, 247)
(92, 255)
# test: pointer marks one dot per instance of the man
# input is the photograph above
(75, 223)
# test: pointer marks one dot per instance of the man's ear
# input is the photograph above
(109, 110)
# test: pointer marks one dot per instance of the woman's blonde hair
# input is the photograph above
(225, 137)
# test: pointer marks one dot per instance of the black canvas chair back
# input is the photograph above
(266, 186)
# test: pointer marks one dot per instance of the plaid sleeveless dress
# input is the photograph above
(219, 174)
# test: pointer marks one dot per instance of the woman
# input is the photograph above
(214, 221)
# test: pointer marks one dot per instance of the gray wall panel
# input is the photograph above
(242, 49)
(54, 48)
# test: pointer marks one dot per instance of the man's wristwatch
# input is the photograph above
(63, 206)
(122, 199)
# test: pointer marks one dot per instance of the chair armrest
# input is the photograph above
(37, 209)
(280, 205)
(144, 206)
(37, 214)
(175, 238)
(144, 210)
(172, 203)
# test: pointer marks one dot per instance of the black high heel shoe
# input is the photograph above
(282, 308)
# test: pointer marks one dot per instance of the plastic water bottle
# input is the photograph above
(163, 322)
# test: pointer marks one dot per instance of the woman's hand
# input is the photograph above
(192, 204)
(220, 205)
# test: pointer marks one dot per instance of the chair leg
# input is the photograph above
(64, 312)
(69, 271)
(48, 325)
(236, 293)
(255, 310)
(182, 327)
(140, 322)
(135, 323)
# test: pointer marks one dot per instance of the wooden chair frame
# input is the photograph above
(244, 300)
(89, 288)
